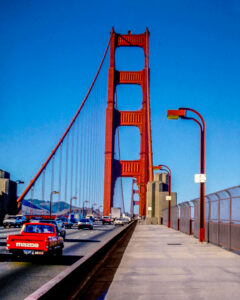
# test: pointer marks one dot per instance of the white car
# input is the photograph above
(118, 222)
(127, 220)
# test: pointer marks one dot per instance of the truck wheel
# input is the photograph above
(59, 252)
(17, 254)
(50, 252)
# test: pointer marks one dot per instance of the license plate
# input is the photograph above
(32, 252)
(28, 252)
(39, 252)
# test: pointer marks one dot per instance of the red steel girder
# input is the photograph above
(140, 169)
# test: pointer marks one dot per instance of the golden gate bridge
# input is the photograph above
(85, 167)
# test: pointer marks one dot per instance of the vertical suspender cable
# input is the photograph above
(60, 178)
(92, 154)
(66, 174)
(72, 159)
(95, 148)
(87, 160)
(52, 178)
(43, 191)
(80, 168)
(31, 201)
(119, 153)
(84, 162)
(77, 164)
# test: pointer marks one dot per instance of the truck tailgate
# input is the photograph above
(31, 242)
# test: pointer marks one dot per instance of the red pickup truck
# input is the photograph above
(36, 239)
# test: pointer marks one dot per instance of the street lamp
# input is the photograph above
(51, 195)
(18, 205)
(19, 182)
(168, 170)
(70, 209)
(181, 113)
(86, 201)
(94, 204)
(100, 206)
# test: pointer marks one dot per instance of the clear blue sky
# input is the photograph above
(50, 51)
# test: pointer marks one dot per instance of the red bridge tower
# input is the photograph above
(140, 169)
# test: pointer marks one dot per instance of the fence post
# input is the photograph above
(178, 224)
(179, 216)
(230, 219)
(209, 214)
(218, 217)
(196, 220)
(189, 218)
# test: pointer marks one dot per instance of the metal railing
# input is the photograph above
(222, 218)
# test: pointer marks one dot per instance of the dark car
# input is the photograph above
(59, 225)
(85, 223)
(67, 223)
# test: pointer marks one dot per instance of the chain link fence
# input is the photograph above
(222, 218)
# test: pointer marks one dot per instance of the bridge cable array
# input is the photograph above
(75, 168)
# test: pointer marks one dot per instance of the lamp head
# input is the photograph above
(174, 114)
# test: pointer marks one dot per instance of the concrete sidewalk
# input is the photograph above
(161, 263)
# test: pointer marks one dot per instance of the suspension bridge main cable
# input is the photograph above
(31, 184)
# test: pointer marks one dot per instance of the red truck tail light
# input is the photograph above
(8, 245)
(47, 242)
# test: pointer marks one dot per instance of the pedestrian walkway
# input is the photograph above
(161, 263)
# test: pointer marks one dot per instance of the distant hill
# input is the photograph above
(37, 204)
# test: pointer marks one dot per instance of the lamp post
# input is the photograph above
(94, 204)
(70, 208)
(86, 201)
(19, 207)
(19, 182)
(51, 195)
(181, 113)
(100, 206)
(168, 170)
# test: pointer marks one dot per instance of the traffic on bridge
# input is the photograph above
(101, 197)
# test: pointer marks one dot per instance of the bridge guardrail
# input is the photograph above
(222, 218)
(72, 276)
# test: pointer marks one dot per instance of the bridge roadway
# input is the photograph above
(161, 263)
(18, 279)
